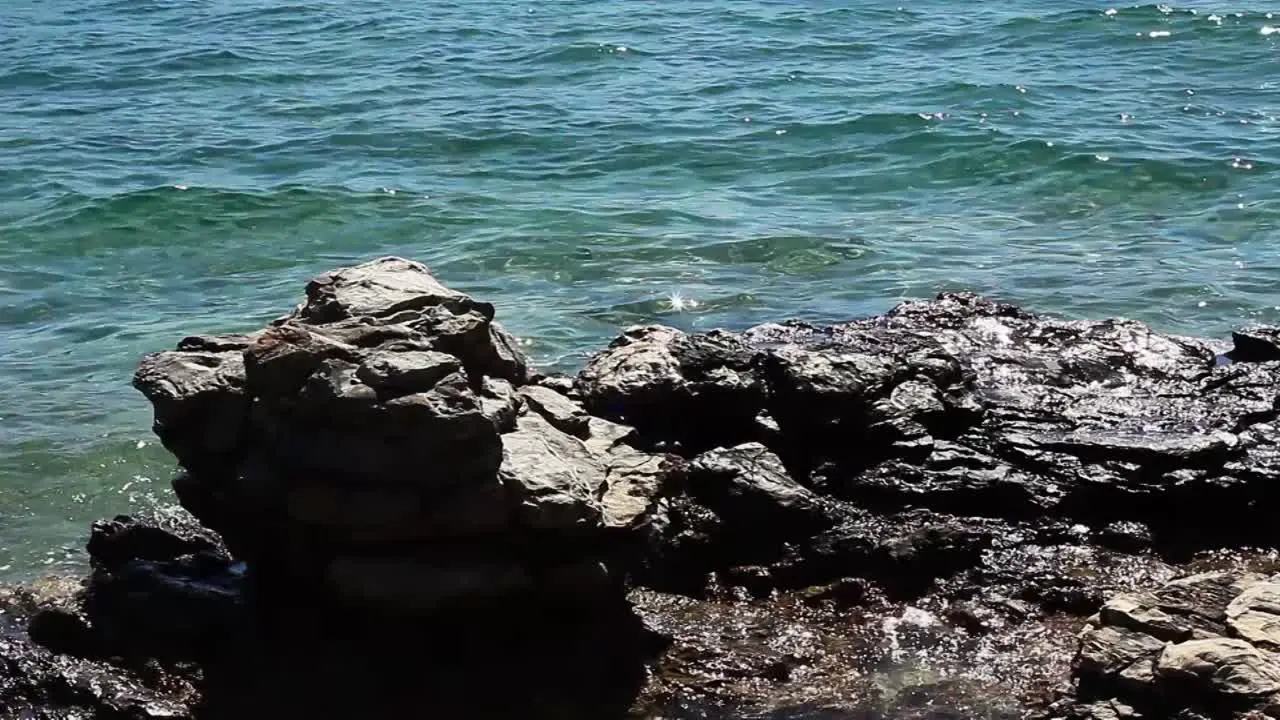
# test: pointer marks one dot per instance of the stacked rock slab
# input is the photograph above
(1209, 642)
(383, 442)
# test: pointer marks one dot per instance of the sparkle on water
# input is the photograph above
(173, 167)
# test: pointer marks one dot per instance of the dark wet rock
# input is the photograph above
(1125, 536)
(177, 608)
(749, 487)
(843, 594)
(943, 511)
(51, 663)
(1255, 344)
(161, 586)
(972, 407)
(163, 646)
(115, 542)
(687, 393)
(385, 445)
(785, 657)
(63, 630)
(53, 611)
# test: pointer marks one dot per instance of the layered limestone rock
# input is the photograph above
(1208, 643)
(383, 441)
(937, 512)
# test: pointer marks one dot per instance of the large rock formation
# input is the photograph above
(951, 510)
(382, 443)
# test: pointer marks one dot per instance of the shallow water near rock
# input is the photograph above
(588, 165)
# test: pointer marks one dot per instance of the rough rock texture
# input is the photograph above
(957, 509)
(1205, 642)
(972, 407)
(381, 443)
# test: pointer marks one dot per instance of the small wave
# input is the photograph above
(1056, 22)
(202, 60)
(28, 79)
(153, 215)
(579, 53)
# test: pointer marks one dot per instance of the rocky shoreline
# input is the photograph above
(959, 509)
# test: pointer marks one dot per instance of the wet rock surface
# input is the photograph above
(1205, 642)
(957, 509)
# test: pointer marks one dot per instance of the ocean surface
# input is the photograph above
(174, 167)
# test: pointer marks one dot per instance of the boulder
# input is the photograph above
(748, 486)
(553, 479)
(1227, 668)
(1254, 615)
(199, 400)
(683, 393)
(973, 407)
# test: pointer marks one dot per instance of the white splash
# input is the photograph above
(910, 616)
(680, 303)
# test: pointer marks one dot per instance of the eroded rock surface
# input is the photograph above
(973, 407)
(957, 509)
(1204, 643)
(382, 444)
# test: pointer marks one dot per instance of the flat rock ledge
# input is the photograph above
(957, 509)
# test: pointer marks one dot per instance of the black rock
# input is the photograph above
(115, 542)
(1256, 344)
(911, 515)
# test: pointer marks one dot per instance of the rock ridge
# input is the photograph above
(959, 508)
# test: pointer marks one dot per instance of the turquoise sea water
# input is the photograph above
(173, 167)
